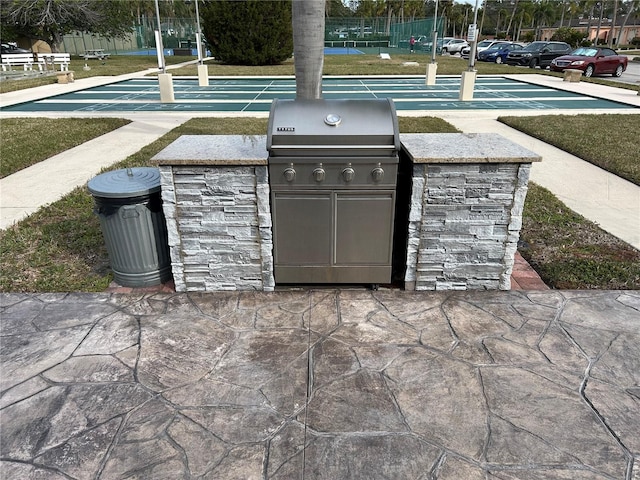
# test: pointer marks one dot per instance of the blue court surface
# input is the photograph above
(256, 94)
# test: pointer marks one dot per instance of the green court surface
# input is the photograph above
(256, 95)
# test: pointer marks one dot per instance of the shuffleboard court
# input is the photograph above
(257, 93)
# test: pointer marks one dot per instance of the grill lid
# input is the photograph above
(333, 127)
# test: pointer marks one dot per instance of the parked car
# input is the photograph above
(454, 45)
(483, 45)
(439, 43)
(538, 54)
(592, 61)
(8, 48)
(499, 51)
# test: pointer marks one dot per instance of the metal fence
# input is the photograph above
(176, 33)
(421, 30)
(371, 34)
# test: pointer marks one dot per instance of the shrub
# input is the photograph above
(569, 35)
(251, 32)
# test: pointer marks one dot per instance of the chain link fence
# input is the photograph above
(342, 35)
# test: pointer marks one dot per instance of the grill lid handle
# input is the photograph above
(333, 119)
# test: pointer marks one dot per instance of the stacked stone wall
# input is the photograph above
(219, 224)
(464, 225)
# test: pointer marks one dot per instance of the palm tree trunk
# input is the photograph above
(484, 9)
(513, 13)
(613, 24)
(632, 7)
(599, 22)
(308, 47)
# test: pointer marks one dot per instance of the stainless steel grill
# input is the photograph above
(332, 167)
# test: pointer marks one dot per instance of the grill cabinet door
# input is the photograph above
(364, 228)
(302, 228)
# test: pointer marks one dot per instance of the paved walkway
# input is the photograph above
(321, 384)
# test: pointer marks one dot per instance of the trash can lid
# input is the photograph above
(128, 182)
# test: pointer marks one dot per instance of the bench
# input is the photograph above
(95, 53)
(26, 60)
(572, 75)
(53, 59)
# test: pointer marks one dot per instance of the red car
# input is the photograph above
(592, 61)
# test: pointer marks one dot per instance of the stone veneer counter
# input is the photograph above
(215, 150)
(215, 197)
(465, 211)
(464, 215)
(464, 148)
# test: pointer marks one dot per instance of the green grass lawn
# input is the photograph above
(114, 65)
(611, 141)
(570, 252)
(27, 141)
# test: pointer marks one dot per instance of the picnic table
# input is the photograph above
(96, 53)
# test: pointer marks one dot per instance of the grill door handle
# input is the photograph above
(307, 146)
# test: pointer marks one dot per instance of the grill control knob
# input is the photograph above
(348, 174)
(377, 174)
(289, 174)
(318, 174)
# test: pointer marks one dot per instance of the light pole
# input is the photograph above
(199, 35)
(468, 78)
(165, 82)
(474, 42)
(203, 70)
(432, 67)
(435, 34)
(159, 45)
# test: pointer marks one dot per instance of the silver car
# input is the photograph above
(455, 45)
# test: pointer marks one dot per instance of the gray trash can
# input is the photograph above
(129, 205)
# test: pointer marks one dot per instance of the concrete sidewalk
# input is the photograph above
(28, 190)
(325, 384)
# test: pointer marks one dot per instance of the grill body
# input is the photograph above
(333, 174)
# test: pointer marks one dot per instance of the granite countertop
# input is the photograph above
(215, 150)
(464, 148)
(421, 148)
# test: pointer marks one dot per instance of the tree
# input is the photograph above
(544, 14)
(50, 20)
(632, 6)
(308, 47)
(249, 32)
(569, 35)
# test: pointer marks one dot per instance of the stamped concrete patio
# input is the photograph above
(322, 384)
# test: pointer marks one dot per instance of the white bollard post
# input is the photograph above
(467, 84)
(165, 80)
(431, 74)
(203, 75)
